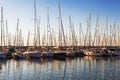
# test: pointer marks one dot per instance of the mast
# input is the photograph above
(104, 37)
(17, 33)
(88, 32)
(61, 29)
(59, 34)
(118, 35)
(48, 29)
(106, 33)
(96, 41)
(73, 36)
(7, 37)
(3, 34)
(38, 32)
(86, 35)
(14, 39)
(54, 38)
(98, 35)
(44, 38)
(81, 35)
(1, 25)
(21, 39)
(51, 36)
(89, 24)
(115, 42)
(110, 35)
(35, 24)
(70, 32)
(28, 37)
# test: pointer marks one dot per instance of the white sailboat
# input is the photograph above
(19, 51)
(70, 51)
(33, 52)
(48, 52)
(113, 51)
(93, 52)
(2, 54)
(18, 55)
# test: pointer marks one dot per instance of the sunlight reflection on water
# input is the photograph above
(84, 68)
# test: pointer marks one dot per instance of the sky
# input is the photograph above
(78, 10)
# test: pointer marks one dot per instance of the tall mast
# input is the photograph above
(3, 34)
(98, 36)
(48, 29)
(51, 36)
(89, 24)
(7, 39)
(110, 35)
(86, 36)
(1, 25)
(106, 34)
(81, 35)
(17, 33)
(88, 32)
(118, 35)
(104, 37)
(70, 32)
(61, 29)
(35, 24)
(96, 41)
(73, 35)
(59, 34)
(115, 32)
(38, 32)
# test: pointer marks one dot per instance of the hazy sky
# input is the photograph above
(77, 9)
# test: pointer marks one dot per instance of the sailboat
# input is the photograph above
(92, 51)
(34, 52)
(18, 53)
(49, 51)
(60, 50)
(2, 53)
(70, 51)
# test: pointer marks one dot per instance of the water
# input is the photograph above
(84, 68)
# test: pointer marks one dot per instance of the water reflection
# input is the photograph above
(84, 68)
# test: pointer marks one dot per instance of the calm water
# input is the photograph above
(84, 68)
